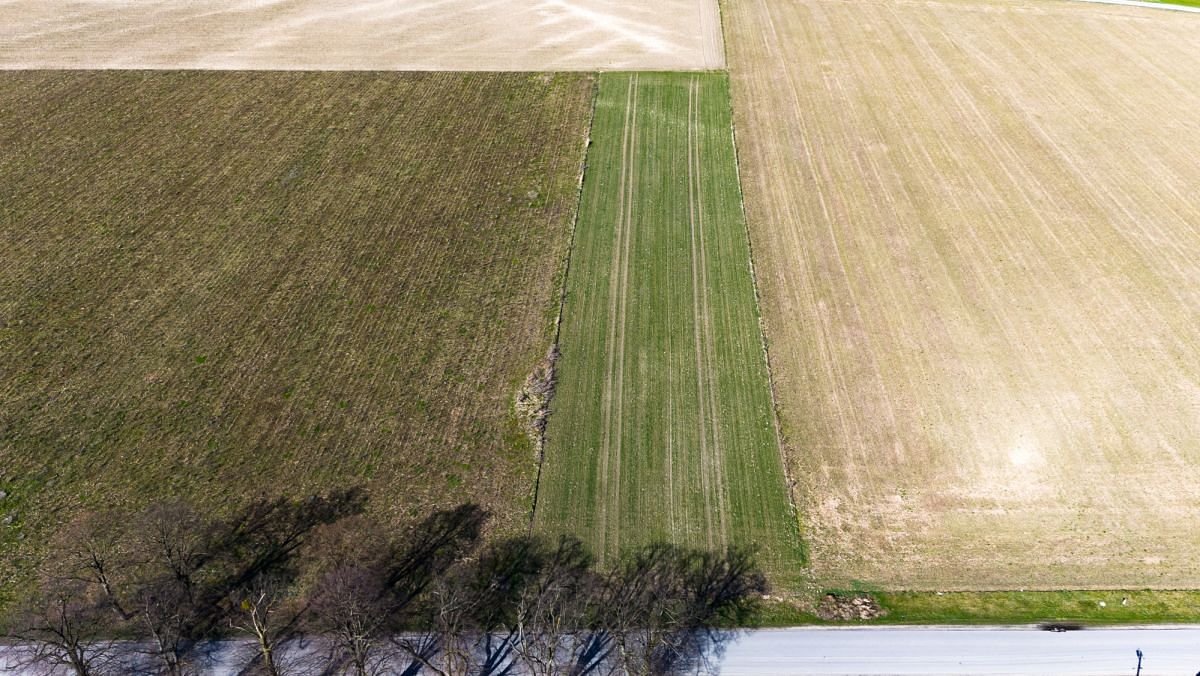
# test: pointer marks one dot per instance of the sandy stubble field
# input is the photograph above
(977, 234)
(353, 35)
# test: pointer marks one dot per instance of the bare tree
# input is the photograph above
(553, 619)
(64, 629)
(66, 624)
(193, 572)
(427, 598)
(268, 612)
(350, 608)
(172, 549)
(261, 560)
(145, 579)
(380, 596)
(170, 576)
(470, 608)
(672, 610)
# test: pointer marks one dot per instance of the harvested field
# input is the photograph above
(662, 425)
(218, 285)
(526, 35)
(977, 234)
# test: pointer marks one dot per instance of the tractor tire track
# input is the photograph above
(716, 456)
(706, 470)
(610, 467)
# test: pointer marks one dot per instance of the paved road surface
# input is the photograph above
(940, 650)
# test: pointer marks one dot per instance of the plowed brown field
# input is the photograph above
(356, 35)
(977, 234)
(222, 285)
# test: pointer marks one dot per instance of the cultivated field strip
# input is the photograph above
(456, 35)
(220, 285)
(977, 236)
(662, 422)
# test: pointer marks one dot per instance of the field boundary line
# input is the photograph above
(794, 521)
(562, 294)
(724, 38)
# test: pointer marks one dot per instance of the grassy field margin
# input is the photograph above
(663, 427)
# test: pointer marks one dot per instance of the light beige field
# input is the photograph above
(976, 228)
(362, 34)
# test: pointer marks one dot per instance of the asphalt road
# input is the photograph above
(983, 650)
(937, 650)
(941, 650)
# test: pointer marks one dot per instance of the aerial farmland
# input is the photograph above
(903, 295)
(975, 228)
(220, 284)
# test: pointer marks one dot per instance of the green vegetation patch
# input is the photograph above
(1182, 3)
(1021, 607)
(1007, 607)
(662, 426)
(216, 285)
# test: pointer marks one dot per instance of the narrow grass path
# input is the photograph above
(662, 425)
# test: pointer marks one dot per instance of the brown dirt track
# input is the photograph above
(977, 235)
(356, 35)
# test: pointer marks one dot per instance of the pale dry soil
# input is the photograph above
(977, 235)
(358, 35)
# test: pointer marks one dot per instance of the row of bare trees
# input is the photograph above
(315, 587)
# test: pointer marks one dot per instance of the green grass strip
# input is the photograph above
(662, 424)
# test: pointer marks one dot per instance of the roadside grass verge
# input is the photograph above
(1181, 3)
(1009, 607)
(662, 426)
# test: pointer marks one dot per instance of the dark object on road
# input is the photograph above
(1060, 626)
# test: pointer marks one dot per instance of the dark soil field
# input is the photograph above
(225, 285)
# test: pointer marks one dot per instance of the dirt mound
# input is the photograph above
(533, 400)
(847, 608)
